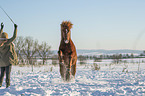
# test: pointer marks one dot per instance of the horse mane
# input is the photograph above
(66, 24)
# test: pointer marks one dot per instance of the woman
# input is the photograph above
(8, 55)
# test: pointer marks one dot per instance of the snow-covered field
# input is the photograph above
(127, 79)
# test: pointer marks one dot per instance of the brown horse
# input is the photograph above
(67, 53)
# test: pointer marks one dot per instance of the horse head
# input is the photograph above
(65, 31)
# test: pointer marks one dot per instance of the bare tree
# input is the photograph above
(19, 43)
(30, 48)
(44, 51)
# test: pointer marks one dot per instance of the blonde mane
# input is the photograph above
(66, 24)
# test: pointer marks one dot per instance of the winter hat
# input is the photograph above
(4, 35)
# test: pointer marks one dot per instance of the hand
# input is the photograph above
(2, 25)
(15, 25)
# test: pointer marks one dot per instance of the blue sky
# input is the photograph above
(98, 24)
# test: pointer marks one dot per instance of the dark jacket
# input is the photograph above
(7, 52)
(8, 55)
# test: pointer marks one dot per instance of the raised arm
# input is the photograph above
(14, 35)
(1, 30)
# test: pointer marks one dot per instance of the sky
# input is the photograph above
(97, 24)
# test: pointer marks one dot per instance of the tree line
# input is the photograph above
(28, 50)
(115, 57)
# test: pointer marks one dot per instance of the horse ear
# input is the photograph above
(61, 25)
(70, 26)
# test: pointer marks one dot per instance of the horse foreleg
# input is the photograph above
(60, 56)
(73, 69)
(70, 62)
(61, 63)
(62, 71)
(68, 69)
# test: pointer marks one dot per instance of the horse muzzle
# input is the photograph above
(66, 41)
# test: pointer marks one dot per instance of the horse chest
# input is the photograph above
(67, 49)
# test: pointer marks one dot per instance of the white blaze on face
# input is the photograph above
(66, 30)
(66, 41)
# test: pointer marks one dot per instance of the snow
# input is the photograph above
(110, 80)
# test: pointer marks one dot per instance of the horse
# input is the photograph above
(67, 53)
